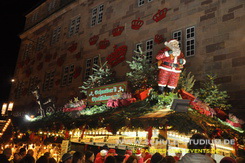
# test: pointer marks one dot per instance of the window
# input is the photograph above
(142, 2)
(149, 50)
(40, 43)
(97, 15)
(28, 51)
(74, 26)
(51, 5)
(177, 35)
(190, 41)
(32, 84)
(34, 17)
(137, 47)
(19, 89)
(67, 76)
(56, 35)
(90, 63)
(48, 80)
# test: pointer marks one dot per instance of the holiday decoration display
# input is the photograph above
(48, 57)
(40, 66)
(234, 121)
(117, 56)
(102, 75)
(102, 94)
(142, 75)
(104, 44)
(72, 48)
(77, 105)
(211, 94)
(136, 24)
(77, 72)
(158, 39)
(160, 15)
(186, 82)
(172, 61)
(93, 40)
(117, 31)
(120, 99)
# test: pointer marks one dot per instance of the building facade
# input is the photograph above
(63, 39)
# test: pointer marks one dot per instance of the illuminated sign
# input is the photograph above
(4, 108)
(104, 93)
(10, 107)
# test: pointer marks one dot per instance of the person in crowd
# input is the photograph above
(178, 155)
(42, 159)
(128, 153)
(110, 159)
(132, 159)
(89, 157)
(170, 159)
(197, 141)
(112, 152)
(105, 147)
(227, 160)
(156, 158)
(101, 158)
(146, 155)
(30, 152)
(66, 158)
(47, 154)
(22, 152)
(16, 158)
(28, 159)
(52, 160)
(140, 159)
(4, 157)
(78, 157)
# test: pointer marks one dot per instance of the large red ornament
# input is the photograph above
(104, 44)
(117, 31)
(158, 39)
(136, 24)
(117, 56)
(72, 48)
(160, 15)
(93, 39)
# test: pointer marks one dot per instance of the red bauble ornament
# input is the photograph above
(117, 56)
(136, 24)
(160, 15)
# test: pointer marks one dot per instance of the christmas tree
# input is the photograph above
(142, 74)
(212, 95)
(102, 75)
(186, 82)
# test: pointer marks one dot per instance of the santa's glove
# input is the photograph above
(166, 53)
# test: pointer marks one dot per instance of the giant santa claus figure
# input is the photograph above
(171, 62)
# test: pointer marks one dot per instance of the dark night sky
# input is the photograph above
(12, 16)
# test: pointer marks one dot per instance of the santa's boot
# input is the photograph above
(161, 89)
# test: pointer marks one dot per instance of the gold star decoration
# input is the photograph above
(76, 99)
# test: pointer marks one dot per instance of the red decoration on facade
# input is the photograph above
(117, 56)
(78, 55)
(48, 57)
(93, 40)
(39, 56)
(104, 44)
(40, 66)
(60, 61)
(27, 60)
(117, 31)
(160, 15)
(77, 72)
(136, 24)
(72, 48)
(57, 82)
(21, 64)
(158, 39)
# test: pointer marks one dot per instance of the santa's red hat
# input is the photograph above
(138, 152)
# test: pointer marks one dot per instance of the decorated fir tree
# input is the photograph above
(102, 75)
(212, 95)
(186, 82)
(142, 74)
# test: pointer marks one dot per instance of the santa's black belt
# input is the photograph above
(171, 64)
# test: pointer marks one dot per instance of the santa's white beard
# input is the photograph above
(176, 52)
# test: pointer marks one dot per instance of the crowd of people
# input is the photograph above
(107, 155)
